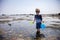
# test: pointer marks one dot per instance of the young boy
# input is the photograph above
(38, 19)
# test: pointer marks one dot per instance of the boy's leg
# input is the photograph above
(38, 30)
(38, 33)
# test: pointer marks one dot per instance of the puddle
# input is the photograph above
(23, 30)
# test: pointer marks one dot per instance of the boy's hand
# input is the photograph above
(33, 22)
(42, 21)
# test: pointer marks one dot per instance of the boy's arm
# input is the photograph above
(41, 19)
(34, 20)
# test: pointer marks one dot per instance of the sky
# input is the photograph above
(29, 6)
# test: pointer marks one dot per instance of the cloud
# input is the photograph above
(28, 6)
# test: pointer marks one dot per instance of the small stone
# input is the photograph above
(20, 39)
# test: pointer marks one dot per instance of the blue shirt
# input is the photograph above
(38, 18)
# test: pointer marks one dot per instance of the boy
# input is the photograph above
(38, 19)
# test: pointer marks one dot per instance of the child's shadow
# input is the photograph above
(39, 36)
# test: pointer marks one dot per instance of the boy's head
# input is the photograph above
(37, 11)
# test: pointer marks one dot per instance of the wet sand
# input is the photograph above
(23, 30)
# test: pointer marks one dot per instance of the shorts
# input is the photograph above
(38, 25)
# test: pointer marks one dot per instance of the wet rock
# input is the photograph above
(19, 39)
(28, 38)
(9, 24)
(51, 38)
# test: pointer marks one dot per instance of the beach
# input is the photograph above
(20, 28)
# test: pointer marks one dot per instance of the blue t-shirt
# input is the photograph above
(38, 18)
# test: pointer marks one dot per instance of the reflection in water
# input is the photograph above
(39, 36)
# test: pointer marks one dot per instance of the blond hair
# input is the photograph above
(37, 10)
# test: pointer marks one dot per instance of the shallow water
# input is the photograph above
(23, 30)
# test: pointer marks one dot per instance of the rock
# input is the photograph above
(51, 38)
(20, 39)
